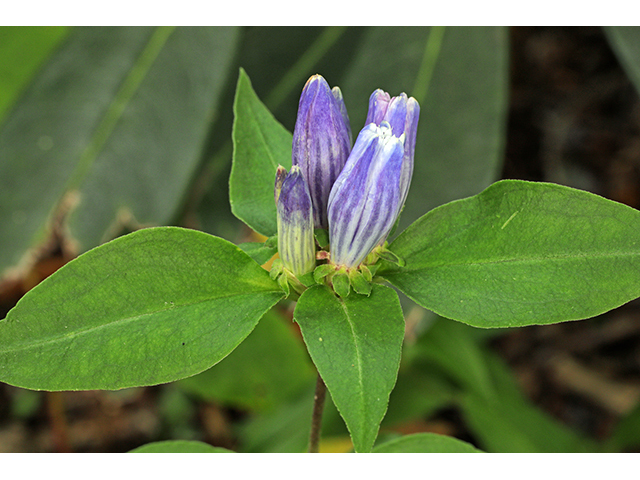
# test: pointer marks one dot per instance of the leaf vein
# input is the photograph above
(358, 355)
(114, 323)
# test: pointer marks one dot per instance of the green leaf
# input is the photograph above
(509, 422)
(521, 253)
(625, 436)
(260, 144)
(22, 51)
(109, 134)
(287, 429)
(284, 430)
(270, 367)
(625, 42)
(154, 306)
(179, 446)
(355, 343)
(448, 347)
(281, 59)
(418, 394)
(426, 443)
(260, 252)
(459, 75)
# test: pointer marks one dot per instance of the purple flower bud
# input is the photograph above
(321, 141)
(296, 243)
(337, 94)
(378, 104)
(366, 198)
(402, 113)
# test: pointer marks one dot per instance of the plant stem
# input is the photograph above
(316, 417)
(58, 420)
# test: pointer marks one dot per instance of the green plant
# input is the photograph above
(166, 303)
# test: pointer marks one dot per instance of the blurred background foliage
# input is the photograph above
(107, 130)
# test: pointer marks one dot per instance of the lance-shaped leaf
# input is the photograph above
(507, 421)
(154, 306)
(355, 344)
(260, 144)
(624, 41)
(22, 51)
(110, 130)
(521, 253)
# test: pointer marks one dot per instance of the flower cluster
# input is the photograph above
(357, 193)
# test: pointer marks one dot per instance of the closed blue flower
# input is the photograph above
(366, 198)
(321, 142)
(402, 113)
(296, 242)
(370, 192)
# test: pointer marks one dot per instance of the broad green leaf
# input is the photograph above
(270, 367)
(521, 253)
(448, 347)
(177, 411)
(426, 443)
(445, 360)
(418, 394)
(625, 42)
(22, 51)
(459, 75)
(154, 306)
(508, 422)
(25, 404)
(109, 133)
(355, 343)
(279, 61)
(179, 446)
(286, 429)
(260, 252)
(260, 144)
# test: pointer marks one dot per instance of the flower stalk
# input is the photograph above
(316, 416)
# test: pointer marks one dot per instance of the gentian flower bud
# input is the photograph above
(378, 104)
(366, 198)
(402, 114)
(321, 142)
(296, 243)
(337, 94)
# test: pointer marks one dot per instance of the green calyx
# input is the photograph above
(383, 253)
(287, 280)
(342, 280)
(337, 277)
(359, 282)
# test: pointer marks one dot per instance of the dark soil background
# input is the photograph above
(575, 120)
